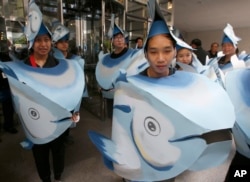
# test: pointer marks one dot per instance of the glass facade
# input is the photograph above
(87, 20)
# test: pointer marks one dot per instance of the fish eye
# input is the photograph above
(152, 126)
(33, 113)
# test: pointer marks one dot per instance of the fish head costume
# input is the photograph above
(41, 96)
(35, 25)
(236, 84)
(60, 32)
(156, 121)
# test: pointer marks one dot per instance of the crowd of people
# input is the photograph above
(164, 56)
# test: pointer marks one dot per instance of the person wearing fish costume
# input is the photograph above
(186, 60)
(219, 66)
(186, 56)
(165, 121)
(229, 43)
(108, 66)
(60, 38)
(41, 87)
(237, 76)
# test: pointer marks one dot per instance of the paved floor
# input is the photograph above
(83, 161)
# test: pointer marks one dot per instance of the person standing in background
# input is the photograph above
(212, 53)
(241, 159)
(117, 58)
(202, 55)
(60, 38)
(139, 43)
(6, 101)
(185, 55)
(229, 48)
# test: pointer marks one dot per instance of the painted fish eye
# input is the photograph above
(152, 126)
(33, 113)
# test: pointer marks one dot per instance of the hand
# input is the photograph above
(75, 117)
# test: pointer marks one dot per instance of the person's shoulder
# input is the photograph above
(204, 51)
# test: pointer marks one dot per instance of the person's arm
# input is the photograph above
(75, 117)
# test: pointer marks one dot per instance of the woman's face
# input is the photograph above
(42, 45)
(62, 45)
(160, 52)
(228, 49)
(184, 56)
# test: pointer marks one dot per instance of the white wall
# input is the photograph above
(207, 37)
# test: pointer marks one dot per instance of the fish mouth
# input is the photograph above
(209, 137)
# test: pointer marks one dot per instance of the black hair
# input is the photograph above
(138, 38)
(196, 42)
(31, 50)
(167, 36)
(213, 43)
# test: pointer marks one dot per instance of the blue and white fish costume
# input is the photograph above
(43, 97)
(238, 88)
(108, 69)
(60, 32)
(161, 126)
(237, 75)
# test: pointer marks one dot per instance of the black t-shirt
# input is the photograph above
(222, 60)
(171, 72)
(50, 62)
(113, 55)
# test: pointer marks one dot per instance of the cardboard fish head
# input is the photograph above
(158, 25)
(229, 36)
(60, 32)
(35, 25)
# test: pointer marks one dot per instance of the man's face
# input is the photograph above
(215, 47)
(139, 43)
(118, 41)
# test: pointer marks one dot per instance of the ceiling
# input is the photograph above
(204, 15)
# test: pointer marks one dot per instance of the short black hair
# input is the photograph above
(196, 42)
(138, 38)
